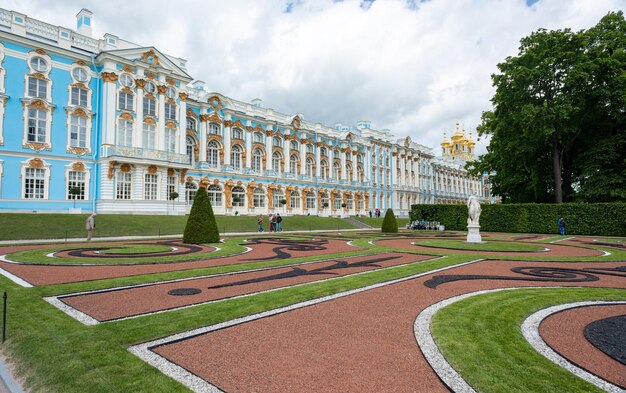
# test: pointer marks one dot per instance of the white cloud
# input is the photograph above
(414, 70)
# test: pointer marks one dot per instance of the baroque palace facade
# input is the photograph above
(109, 126)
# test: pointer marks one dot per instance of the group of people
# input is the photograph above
(276, 223)
(376, 213)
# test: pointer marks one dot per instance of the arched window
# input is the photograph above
(278, 196)
(309, 148)
(215, 195)
(257, 157)
(309, 166)
(277, 141)
(189, 149)
(213, 154)
(336, 170)
(236, 133)
(324, 200)
(359, 203)
(258, 198)
(293, 164)
(324, 170)
(235, 157)
(258, 137)
(348, 157)
(214, 129)
(294, 145)
(337, 203)
(294, 201)
(276, 161)
(191, 123)
(323, 152)
(349, 202)
(336, 154)
(359, 173)
(190, 192)
(349, 172)
(239, 195)
(310, 200)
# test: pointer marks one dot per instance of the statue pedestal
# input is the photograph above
(473, 233)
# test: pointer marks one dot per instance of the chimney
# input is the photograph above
(83, 22)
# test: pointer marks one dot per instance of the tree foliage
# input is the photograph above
(558, 124)
(201, 226)
(390, 224)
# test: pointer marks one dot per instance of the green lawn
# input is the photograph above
(136, 249)
(378, 222)
(486, 246)
(15, 226)
(481, 338)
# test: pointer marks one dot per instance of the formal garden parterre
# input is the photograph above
(332, 311)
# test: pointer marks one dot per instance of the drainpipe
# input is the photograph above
(94, 155)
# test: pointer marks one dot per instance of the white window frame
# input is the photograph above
(150, 187)
(149, 106)
(170, 111)
(148, 136)
(119, 181)
(214, 129)
(46, 191)
(295, 200)
(213, 154)
(258, 197)
(239, 194)
(68, 169)
(87, 127)
(215, 194)
(129, 101)
(235, 157)
(128, 131)
(190, 192)
(277, 197)
(276, 157)
(257, 160)
(170, 139)
(236, 133)
(310, 200)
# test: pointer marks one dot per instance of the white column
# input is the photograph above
(182, 126)
(202, 141)
(303, 159)
(394, 170)
(160, 145)
(355, 163)
(138, 129)
(286, 157)
(248, 163)
(318, 160)
(226, 139)
(108, 119)
(268, 149)
(344, 174)
(2, 104)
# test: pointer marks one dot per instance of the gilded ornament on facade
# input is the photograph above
(126, 116)
(191, 113)
(80, 85)
(38, 75)
(150, 96)
(162, 89)
(149, 120)
(214, 118)
(215, 103)
(125, 168)
(127, 68)
(152, 169)
(183, 173)
(141, 83)
(36, 146)
(150, 75)
(38, 104)
(151, 58)
(40, 51)
(79, 151)
(295, 123)
(111, 168)
(170, 124)
(126, 90)
(80, 113)
(170, 172)
(183, 96)
(171, 101)
(204, 182)
(110, 77)
(170, 81)
(78, 166)
(36, 163)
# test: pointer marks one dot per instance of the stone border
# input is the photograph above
(195, 383)
(13, 277)
(530, 330)
(80, 316)
(545, 249)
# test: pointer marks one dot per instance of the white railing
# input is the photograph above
(139, 152)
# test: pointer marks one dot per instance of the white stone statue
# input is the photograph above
(473, 210)
(473, 217)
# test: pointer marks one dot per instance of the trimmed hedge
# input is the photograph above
(199, 229)
(390, 224)
(606, 219)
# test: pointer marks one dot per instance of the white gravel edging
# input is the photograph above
(197, 384)
(530, 330)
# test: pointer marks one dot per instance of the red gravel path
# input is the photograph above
(556, 250)
(105, 306)
(49, 275)
(564, 332)
(358, 343)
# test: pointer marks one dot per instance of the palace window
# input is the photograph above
(125, 101)
(170, 111)
(214, 129)
(295, 200)
(324, 170)
(190, 192)
(170, 139)
(348, 157)
(123, 181)
(37, 119)
(149, 106)
(170, 92)
(189, 149)
(78, 96)
(309, 166)
(38, 64)
(78, 131)
(323, 152)
(37, 88)
(257, 157)
(215, 195)
(239, 195)
(236, 133)
(212, 156)
(149, 136)
(278, 196)
(150, 186)
(34, 183)
(324, 199)
(76, 179)
(349, 172)
(276, 157)
(337, 203)
(80, 75)
(336, 170)
(277, 141)
(359, 203)
(294, 145)
(309, 148)
(310, 200)
(126, 80)
(125, 133)
(293, 164)
(258, 137)
(149, 87)
(258, 198)
(191, 123)
(235, 157)
(359, 173)
(349, 202)
(171, 186)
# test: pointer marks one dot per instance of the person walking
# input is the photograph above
(561, 224)
(370, 214)
(260, 221)
(90, 225)
(272, 223)
(279, 223)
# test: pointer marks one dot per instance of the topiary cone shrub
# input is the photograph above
(390, 225)
(214, 234)
(198, 230)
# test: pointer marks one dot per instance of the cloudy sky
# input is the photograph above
(414, 67)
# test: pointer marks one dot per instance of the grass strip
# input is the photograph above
(52, 352)
(136, 249)
(485, 246)
(481, 338)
